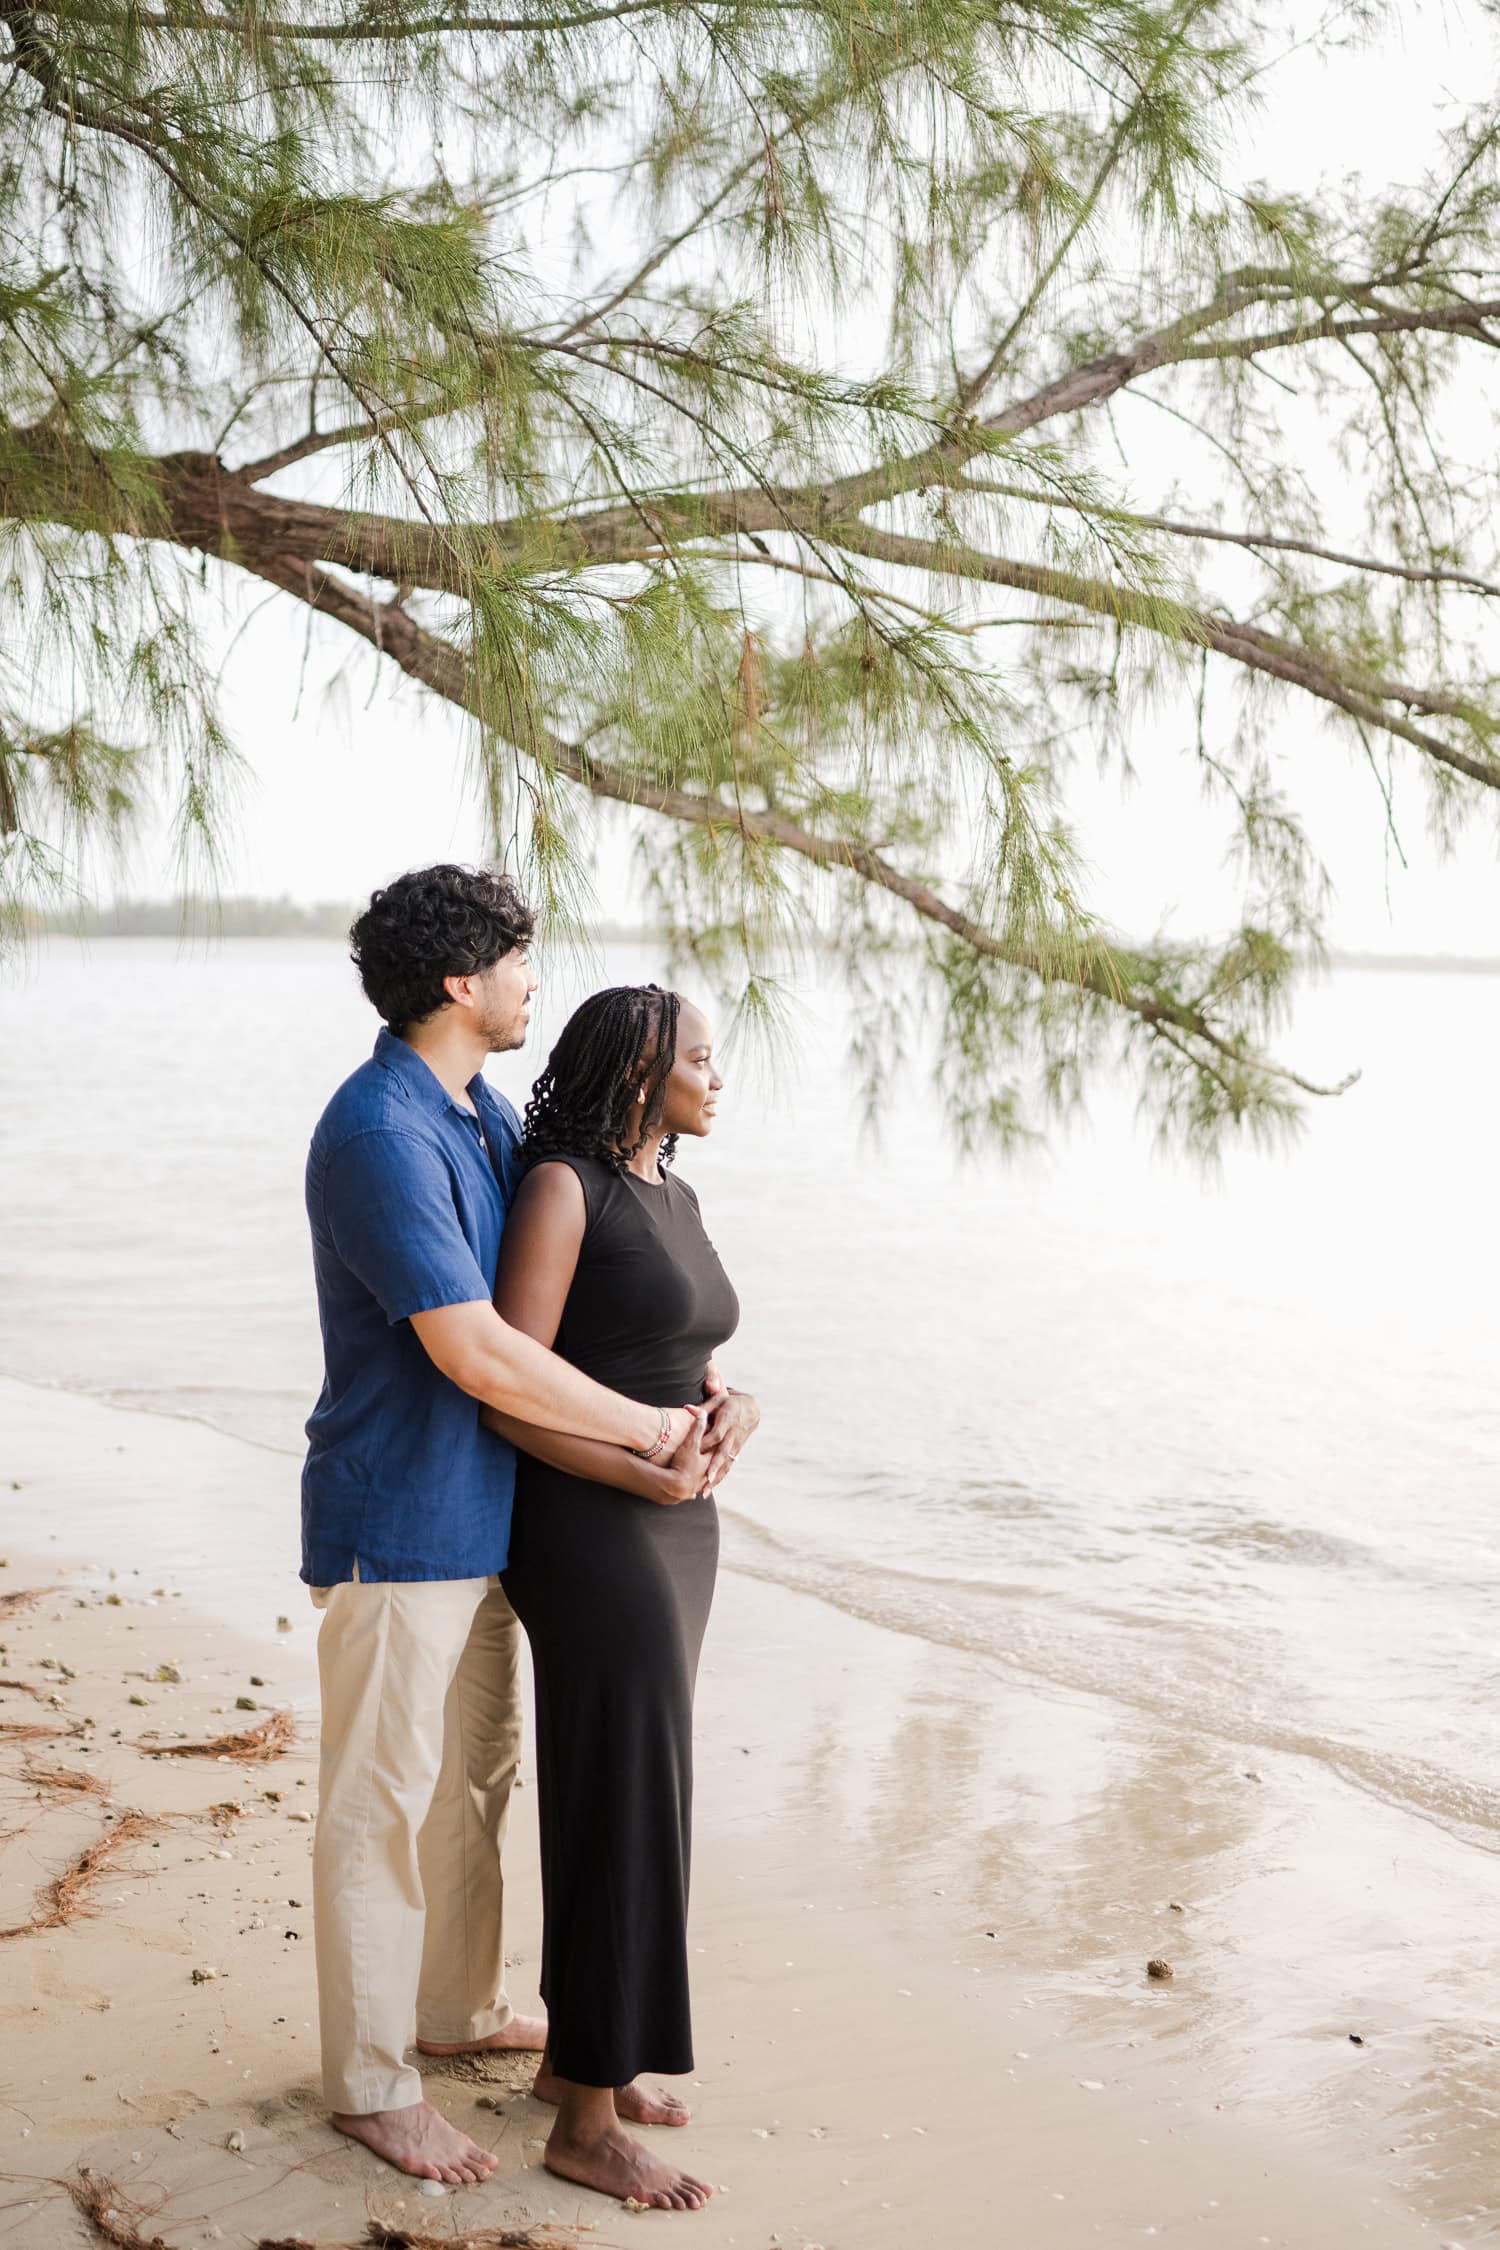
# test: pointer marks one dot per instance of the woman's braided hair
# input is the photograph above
(619, 1043)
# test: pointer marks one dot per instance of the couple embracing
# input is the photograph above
(521, 1425)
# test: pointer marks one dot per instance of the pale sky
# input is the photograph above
(353, 774)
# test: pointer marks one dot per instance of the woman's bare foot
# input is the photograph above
(616, 2165)
(522, 2035)
(418, 2141)
(636, 2104)
(640, 2104)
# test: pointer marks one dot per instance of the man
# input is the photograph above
(406, 1510)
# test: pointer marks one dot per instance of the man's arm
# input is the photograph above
(388, 1202)
(504, 1368)
(538, 1260)
(665, 1482)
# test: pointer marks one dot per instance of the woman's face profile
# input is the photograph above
(693, 1085)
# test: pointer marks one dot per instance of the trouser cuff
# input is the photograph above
(483, 2024)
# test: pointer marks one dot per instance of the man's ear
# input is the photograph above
(460, 991)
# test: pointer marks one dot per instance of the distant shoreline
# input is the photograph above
(200, 918)
(205, 919)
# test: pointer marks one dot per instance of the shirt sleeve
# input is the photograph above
(388, 1202)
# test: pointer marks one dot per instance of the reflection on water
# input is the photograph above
(1064, 1841)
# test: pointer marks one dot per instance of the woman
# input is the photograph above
(612, 1562)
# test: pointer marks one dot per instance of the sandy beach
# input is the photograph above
(903, 2034)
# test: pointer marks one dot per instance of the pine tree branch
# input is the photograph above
(664, 249)
(363, 432)
(604, 534)
(1467, 318)
(206, 508)
(760, 557)
(1078, 388)
(36, 60)
(1248, 645)
(978, 383)
(376, 30)
(1415, 574)
(436, 664)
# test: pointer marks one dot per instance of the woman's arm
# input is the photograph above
(681, 1478)
(539, 1251)
(538, 1259)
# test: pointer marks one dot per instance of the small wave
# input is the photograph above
(169, 1406)
(1030, 1636)
(1133, 1662)
(1275, 1542)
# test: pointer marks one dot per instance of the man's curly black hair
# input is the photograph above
(435, 922)
(618, 1043)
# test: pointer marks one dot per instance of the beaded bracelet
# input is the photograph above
(650, 1452)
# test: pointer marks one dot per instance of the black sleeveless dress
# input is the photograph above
(614, 1592)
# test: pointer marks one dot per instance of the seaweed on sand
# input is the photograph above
(26, 1730)
(116, 2218)
(24, 1597)
(67, 1895)
(110, 2213)
(381, 2234)
(64, 1781)
(271, 1739)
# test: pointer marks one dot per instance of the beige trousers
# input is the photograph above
(421, 1734)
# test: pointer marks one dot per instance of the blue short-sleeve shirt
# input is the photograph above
(406, 1197)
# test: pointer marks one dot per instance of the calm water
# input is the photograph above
(1226, 1451)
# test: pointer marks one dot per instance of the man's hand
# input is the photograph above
(686, 1474)
(682, 1421)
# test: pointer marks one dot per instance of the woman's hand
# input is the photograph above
(733, 1418)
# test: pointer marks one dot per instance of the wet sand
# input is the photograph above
(925, 1894)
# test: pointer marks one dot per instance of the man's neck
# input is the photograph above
(450, 1053)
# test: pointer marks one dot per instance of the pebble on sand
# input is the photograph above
(1161, 1971)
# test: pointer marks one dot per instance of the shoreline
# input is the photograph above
(971, 1617)
(925, 1890)
(198, 921)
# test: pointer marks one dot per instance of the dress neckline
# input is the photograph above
(657, 1187)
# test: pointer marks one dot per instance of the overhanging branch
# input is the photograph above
(205, 507)
(1248, 645)
(436, 664)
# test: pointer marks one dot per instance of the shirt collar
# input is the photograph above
(421, 1082)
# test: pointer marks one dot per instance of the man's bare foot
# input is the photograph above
(522, 2035)
(418, 2141)
(637, 2103)
(616, 2165)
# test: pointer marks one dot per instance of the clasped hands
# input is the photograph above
(719, 1431)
